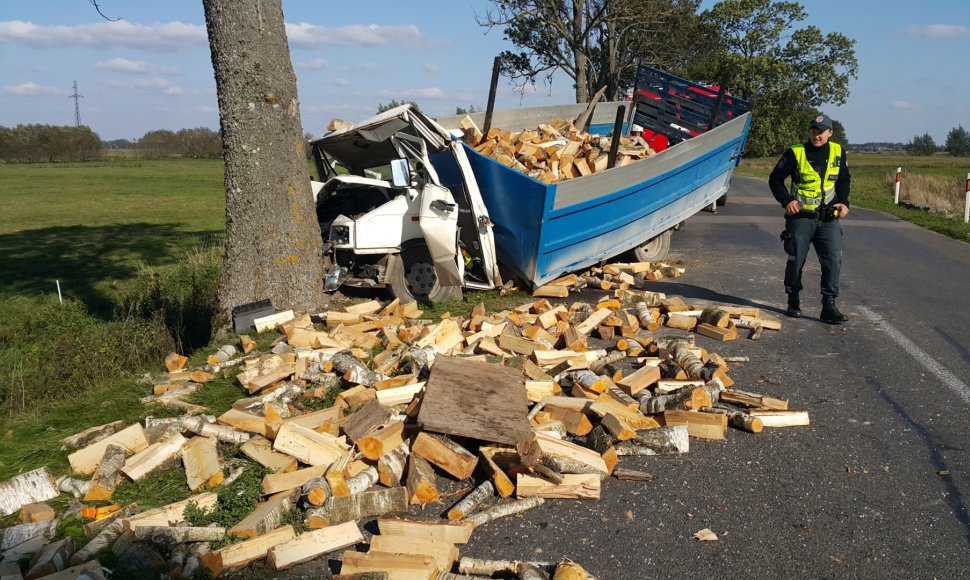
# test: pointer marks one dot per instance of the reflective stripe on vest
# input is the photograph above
(808, 189)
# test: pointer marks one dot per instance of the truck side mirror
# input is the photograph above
(400, 173)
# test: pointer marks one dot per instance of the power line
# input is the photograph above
(77, 106)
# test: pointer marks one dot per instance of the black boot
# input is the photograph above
(830, 314)
(794, 307)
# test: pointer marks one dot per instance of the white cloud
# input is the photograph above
(31, 89)
(315, 64)
(153, 85)
(431, 67)
(904, 105)
(428, 93)
(163, 36)
(123, 65)
(939, 31)
(305, 35)
(341, 82)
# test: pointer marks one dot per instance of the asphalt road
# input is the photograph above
(876, 487)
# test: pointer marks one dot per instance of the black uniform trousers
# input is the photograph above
(808, 230)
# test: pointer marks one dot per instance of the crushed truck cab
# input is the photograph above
(388, 218)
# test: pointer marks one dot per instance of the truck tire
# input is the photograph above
(411, 277)
(722, 200)
(655, 249)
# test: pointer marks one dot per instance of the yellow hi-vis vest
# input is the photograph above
(812, 190)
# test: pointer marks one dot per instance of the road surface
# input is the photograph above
(876, 487)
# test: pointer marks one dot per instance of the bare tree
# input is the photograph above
(273, 240)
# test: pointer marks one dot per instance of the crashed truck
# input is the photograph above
(404, 204)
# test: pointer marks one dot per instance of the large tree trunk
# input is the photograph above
(580, 58)
(272, 237)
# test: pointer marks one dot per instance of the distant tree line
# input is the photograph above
(957, 143)
(48, 143)
(198, 142)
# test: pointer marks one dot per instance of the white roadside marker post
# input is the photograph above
(899, 176)
(966, 204)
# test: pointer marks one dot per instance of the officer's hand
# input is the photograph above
(843, 210)
(793, 207)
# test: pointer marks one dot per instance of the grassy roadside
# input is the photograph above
(872, 185)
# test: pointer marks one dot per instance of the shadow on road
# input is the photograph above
(954, 499)
(688, 291)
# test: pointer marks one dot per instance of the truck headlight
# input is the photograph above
(339, 235)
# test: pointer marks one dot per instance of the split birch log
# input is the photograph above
(737, 419)
(572, 486)
(446, 454)
(267, 516)
(200, 457)
(547, 473)
(308, 446)
(491, 567)
(686, 398)
(31, 487)
(85, 461)
(338, 510)
(396, 565)
(92, 529)
(16, 535)
(700, 425)
(562, 456)
(225, 433)
(245, 552)
(139, 465)
(382, 439)
(365, 419)
(680, 322)
(439, 531)
(503, 485)
(443, 554)
(787, 418)
(472, 501)
(100, 542)
(753, 400)
(167, 535)
(106, 477)
(663, 441)
(260, 450)
(309, 545)
(390, 467)
(52, 559)
(614, 356)
(504, 510)
(174, 512)
(32, 513)
(421, 486)
(92, 435)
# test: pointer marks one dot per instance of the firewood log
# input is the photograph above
(504, 510)
(671, 440)
(472, 501)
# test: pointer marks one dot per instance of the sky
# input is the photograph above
(152, 70)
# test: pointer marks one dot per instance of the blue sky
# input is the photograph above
(152, 70)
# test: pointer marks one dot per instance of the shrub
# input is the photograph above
(51, 351)
(184, 297)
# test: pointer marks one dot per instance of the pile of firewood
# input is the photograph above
(554, 152)
(537, 402)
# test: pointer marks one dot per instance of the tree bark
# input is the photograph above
(273, 240)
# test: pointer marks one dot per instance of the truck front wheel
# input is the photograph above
(411, 276)
(656, 249)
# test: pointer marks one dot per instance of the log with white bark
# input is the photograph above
(363, 480)
(30, 487)
(167, 535)
(685, 398)
(51, 559)
(572, 486)
(316, 491)
(101, 541)
(420, 481)
(472, 501)
(19, 534)
(92, 529)
(171, 513)
(390, 467)
(267, 516)
(338, 510)
(753, 400)
(504, 510)
(153, 457)
(247, 551)
(600, 363)
(664, 441)
(468, 565)
(354, 371)
(76, 487)
(684, 356)
(200, 426)
(737, 419)
(92, 435)
(85, 461)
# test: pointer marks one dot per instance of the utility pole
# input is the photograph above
(77, 106)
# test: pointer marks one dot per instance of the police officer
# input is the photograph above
(814, 204)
